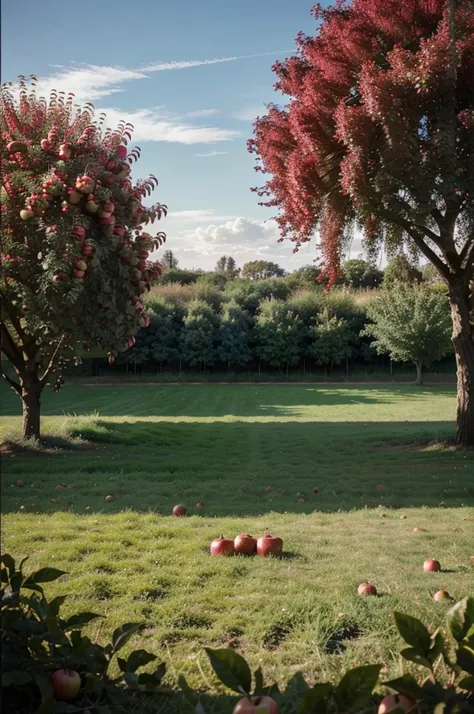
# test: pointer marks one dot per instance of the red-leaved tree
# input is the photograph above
(74, 260)
(379, 132)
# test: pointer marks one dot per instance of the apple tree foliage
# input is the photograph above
(75, 259)
(412, 324)
(378, 131)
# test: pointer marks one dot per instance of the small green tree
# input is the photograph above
(169, 261)
(234, 336)
(198, 337)
(278, 334)
(175, 275)
(164, 332)
(359, 274)
(332, 340)
(412, 323)
(231, 267)
(400, 270)
(261, 270)
(221, 264)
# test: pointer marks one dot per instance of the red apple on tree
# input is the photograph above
(179, 511)
(222, 546)
(66, 684)
(395, 701)
(431, 566)
(269, 545)
(245, 544)
(256, 705)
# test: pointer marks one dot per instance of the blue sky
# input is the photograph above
(155, 64)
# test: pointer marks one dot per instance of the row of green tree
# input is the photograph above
(408, 322)
(356, 273)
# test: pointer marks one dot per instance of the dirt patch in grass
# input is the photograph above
(336, 642)
(276, 634)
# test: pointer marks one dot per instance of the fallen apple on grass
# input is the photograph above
(269, 545)
(395, 701)
(179, 511)
(66, 684)
(222, 546)
(110, 499)
(200, 505)
(245, 544)
(315, 489)
(431, 566)
(256, 705)
(442, 595)
(366, 590)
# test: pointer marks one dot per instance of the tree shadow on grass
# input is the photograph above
(214, 400)
(247, 469)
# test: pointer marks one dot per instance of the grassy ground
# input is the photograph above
(375, 453)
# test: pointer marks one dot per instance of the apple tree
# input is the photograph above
(75, 261)
(378, 131)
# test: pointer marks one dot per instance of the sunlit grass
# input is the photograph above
(370, 450)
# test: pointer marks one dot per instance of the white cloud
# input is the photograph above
(202, 113)
(251, 113)
(87, 82)
(213, 153)
(154, 124)
(198, 215)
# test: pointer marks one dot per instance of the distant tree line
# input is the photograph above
(285, 322)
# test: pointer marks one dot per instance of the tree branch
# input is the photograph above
(419, 242)
(51, 361)
(10, 349)
(10, 381)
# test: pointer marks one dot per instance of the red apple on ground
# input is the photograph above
(471, 558)
(431, 566)
(269, 545)
(256, 705)
(366, 590)
(180, 511)
(315, 489)
(395, 701)
(20, 483)
(200, 505)
(110, 499)
(442, 595)
(379, 487)
(222, 546)
(268, 489)
(245, 543)
(66, 684)
(403, 518)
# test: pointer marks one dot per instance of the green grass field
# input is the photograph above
(376, 454)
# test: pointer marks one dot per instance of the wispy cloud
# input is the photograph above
(213, 153)
(251, 113)
(202, 113)
(154, 124)
(90, 82)
(199, 215)
(186, 64)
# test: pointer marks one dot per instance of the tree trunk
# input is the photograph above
(419, 372)
(463, 342)
(30, 397)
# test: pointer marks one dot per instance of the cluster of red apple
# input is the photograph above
(429, 566)
(246, 544)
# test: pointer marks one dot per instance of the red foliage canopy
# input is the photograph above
(379, 129)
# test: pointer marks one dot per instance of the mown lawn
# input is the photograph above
(375, 453)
